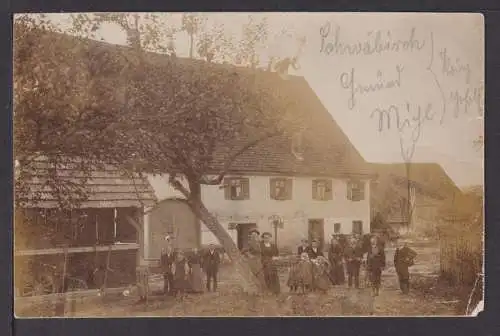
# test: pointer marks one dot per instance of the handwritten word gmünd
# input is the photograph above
(348, 82)
(377, 42)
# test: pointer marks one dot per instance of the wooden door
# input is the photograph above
(317, 231)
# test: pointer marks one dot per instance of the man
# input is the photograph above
(302, 247)
(211, 262)
(353, 254)
(375, 262)
(404, 258)
(167, 259)
(314, 251)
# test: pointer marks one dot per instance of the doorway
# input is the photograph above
(316, 230)
(242, 232)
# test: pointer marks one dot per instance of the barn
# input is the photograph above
(95, 244)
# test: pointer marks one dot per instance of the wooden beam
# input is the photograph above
(82, 249)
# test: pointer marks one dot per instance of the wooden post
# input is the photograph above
(275, 233)
(105, 283)
(61, 300)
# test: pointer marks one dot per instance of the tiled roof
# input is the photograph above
(107, 186)
(429, 179)
(327, 149)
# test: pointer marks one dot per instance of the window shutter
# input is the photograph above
(272, 188)
(289, 188)
(349, 190)
(227, 188)
(315, 189)
(245, 184)
(361, 185)
(329, 190)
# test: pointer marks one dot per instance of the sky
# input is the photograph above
(427, 68)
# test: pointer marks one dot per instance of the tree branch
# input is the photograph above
(174, 182)
(229, 162)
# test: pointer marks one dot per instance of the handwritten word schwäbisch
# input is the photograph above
(376, 43)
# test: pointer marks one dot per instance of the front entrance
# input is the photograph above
(316, 230)
(243, 231)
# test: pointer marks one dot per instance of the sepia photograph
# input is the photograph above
(248, 164)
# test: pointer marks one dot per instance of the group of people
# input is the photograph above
(311, 270)
(183, 272)
(315, 271)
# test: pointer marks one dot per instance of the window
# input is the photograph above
(336, 227)
(237, 188)
(355, 191)
(322, 190)
(281, 189)
(357, 227)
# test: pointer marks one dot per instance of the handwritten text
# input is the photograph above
(376, 42)
(348, 82)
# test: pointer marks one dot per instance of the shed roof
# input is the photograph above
(105, 185)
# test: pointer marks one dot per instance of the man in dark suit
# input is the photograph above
(314, 250)
(403, 259)
(167, 259)
(353, 254)
(211, 262)
(302, 247)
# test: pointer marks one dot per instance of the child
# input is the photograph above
(304, 273)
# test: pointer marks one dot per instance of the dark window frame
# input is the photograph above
(354, 227)
(328, 189)
(287, 186)
(231, 183)
(356, 190)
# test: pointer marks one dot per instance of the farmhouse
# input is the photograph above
(311, 184)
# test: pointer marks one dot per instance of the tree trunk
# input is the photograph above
(191, 45)
(409, 202)
(251, 284)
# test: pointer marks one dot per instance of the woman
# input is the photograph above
(269, 252)
(375, 262)
(181, 275)
(195, 273)
(253, 256)
(335, 256)
(321, 280)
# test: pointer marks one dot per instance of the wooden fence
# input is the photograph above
(461, 244)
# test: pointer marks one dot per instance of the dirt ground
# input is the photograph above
(230, 300)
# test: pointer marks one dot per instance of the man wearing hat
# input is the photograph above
(167, 259)
(314, 250)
